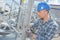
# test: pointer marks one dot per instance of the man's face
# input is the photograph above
(42, 13)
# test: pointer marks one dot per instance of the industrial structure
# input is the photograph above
(16, 16)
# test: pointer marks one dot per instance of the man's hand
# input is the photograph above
(34, 36)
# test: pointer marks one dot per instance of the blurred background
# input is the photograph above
(16, 16)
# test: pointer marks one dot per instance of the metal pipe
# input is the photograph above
(26, 19)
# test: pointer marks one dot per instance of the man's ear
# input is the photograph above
(48, 11)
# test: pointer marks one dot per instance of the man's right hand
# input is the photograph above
(34, 36)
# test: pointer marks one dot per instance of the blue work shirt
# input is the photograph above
(44, 31)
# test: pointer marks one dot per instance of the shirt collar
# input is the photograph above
(49, 20)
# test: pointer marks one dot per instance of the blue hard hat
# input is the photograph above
(43, 6)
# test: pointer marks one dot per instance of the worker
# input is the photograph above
(45, 28)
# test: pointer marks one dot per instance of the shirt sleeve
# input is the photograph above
(50, 32)
(34, 27)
